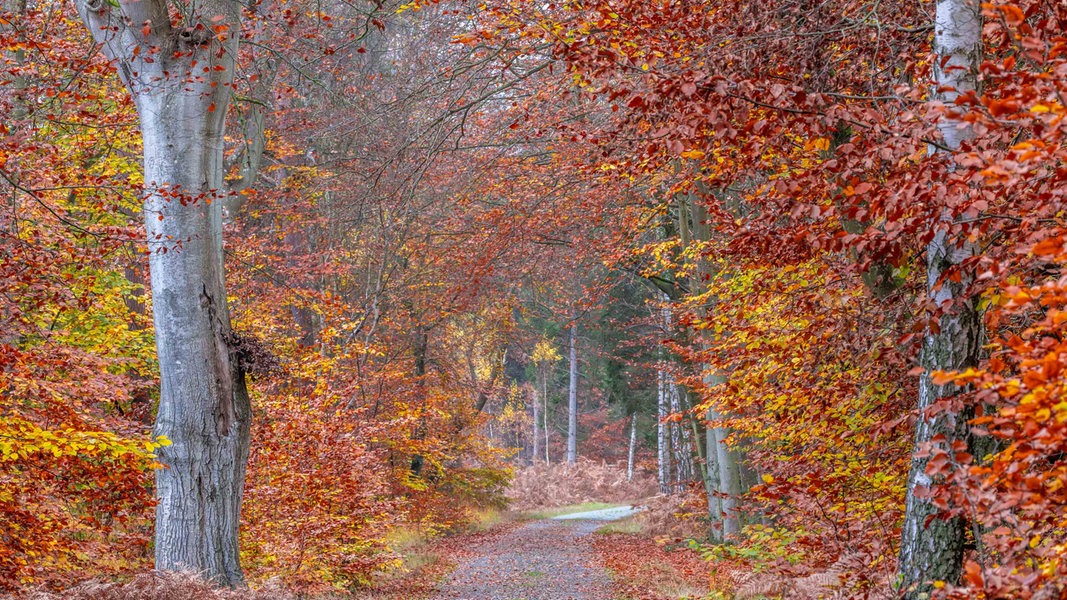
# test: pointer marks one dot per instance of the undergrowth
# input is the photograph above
(542, 486)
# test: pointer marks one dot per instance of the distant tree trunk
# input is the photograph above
(663, 434)
(16, 8)
(181, 94)
(252, 118)
(535, 452)
(712, 470)
(572, 417)
(931, 547)
(633, 447)
(422, 344)
(298, 244)
(681, 442)
(675, 439)
(544, 394)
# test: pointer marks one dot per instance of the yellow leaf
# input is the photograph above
(694, 154)
(767, 478)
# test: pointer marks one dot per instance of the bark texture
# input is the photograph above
(730, 488)
(711, 468)
(572, 392)
(663, 439)
(932, 547)
(723, 478)
(180, 80)
(680, 442)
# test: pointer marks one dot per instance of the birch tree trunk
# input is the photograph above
(663, 444)
(931, 547)
(544, 394)
(633, 446)
(680, 443)
(572, 416)
(535, 452)
(180, 80)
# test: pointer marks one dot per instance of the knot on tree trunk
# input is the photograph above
(252, 355)
(195, 35)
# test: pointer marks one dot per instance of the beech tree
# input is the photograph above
(179, 70)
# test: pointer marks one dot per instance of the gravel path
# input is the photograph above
(604, 514)
(542, 560)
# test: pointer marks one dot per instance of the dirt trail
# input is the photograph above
(542, 560)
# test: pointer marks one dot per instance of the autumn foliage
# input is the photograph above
(735, 201)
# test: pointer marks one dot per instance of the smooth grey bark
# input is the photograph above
(711, 470)
(932, 547)
(572, 393)
(724, 462)
(204, 411)
(730, 488)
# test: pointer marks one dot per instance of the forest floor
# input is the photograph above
(541, 560)
(590, 555)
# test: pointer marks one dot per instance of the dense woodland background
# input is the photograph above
(801, 261)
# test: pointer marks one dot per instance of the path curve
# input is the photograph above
(543, 560)
(605, 514)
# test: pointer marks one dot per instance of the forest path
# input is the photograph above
(548, 559)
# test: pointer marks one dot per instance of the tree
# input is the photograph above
(572, 398)
(931, 547)
(180, 75)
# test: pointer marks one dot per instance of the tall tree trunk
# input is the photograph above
(572, 392)
(663, 434)
(298, 243)
(730, 488)
(724, 463)
(16, 9)
(633, 447)
(544, 394)
(535, 452)
(932, 547)
(181, 93)
(680, 443)
(711, 467)
(421, 347)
